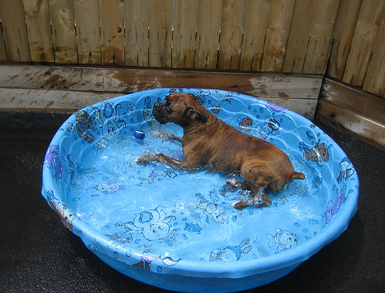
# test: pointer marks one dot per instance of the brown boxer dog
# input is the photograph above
(210, 142)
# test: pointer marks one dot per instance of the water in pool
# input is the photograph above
(159, 212)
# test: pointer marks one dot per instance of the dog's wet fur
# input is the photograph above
(210, 142)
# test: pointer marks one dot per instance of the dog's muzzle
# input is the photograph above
(160, 112)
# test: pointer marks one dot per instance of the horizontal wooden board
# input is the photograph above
(353, 110)
(355, 100)
(297, 93)
(48, 100)
(14, 99)
(351, 122)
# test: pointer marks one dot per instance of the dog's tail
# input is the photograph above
(297, 175)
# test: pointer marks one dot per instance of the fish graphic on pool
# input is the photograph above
(283, 238)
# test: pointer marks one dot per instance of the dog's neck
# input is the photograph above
(200, 126)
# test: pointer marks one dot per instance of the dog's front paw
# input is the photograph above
(160, 133)
(239, 205)
(143, 160)
(232, 182)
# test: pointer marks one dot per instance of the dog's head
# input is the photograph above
(181, 109)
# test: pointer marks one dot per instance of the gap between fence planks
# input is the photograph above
(68, 89)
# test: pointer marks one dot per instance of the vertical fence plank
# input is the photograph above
(368, 22)
(277, 34)
(231, 34)
(161, 12)
(88, 31)
(342, 36)
(375, 77)
(63, 31)
(320, 37)
(257, 18)
(298, 40)
(184, 37)
(14, 29)
(39, 30)
(112, 31)
(3, 51)
(136, 39)
(209, 25)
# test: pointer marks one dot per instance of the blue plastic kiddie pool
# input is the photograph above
(178, 230)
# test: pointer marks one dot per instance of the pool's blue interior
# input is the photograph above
(162, 219)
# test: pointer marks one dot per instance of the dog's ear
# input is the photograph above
(194, 114)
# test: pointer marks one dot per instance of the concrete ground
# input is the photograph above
(38, 254)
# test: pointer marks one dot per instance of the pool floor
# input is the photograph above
(157, 210)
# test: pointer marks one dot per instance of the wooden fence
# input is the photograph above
(344, 39)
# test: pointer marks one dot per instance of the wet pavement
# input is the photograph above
(38, 254)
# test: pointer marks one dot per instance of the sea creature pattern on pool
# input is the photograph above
(152, 224)
(231, 253)
(333, 208)
(318, 153)
(212, 210)
(269, 127)
(284, 239)
(52, 158)
(109, 187)
(108, 118)
(346, 170)
(84, 123)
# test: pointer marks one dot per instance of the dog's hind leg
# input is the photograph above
(260, 199)
(238, 184)
(258, 179)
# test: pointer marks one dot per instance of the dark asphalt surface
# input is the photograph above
(38, 254)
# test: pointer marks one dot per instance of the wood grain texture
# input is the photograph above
(48, 100)
(353, 110)
(353, 123)
(184, 35)
(88, 31)
(112, 31)
(296, 93)
(14, 30)
(368, 23)
(3, 51)
(208, 32)
(257, 19)
(136, 38)
(63, 31)
(320, 36)
(281, 12)
(342, 36)
(375, 77)
(230, 44)
(160, 36)
(298, 40)
(39, 30)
